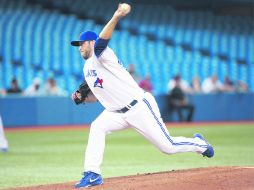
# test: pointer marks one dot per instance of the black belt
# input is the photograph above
(126, 108)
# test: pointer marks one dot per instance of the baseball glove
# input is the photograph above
(81, 94)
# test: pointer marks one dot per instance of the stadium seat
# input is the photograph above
(159, 40)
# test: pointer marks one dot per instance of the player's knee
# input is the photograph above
(167, 150)
(96, 127)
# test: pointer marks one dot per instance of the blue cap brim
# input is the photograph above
(76, 43)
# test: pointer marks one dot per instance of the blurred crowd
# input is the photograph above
(210, 85)
(36, 88)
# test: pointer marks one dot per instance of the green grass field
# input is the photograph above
(41, 157)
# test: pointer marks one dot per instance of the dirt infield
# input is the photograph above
(215, 178)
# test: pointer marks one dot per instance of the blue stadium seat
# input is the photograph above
(250, 50)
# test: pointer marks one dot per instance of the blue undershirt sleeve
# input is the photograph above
(100, 46)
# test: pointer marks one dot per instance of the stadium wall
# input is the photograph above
(40, 111)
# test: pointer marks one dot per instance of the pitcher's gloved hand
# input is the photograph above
(81, 94)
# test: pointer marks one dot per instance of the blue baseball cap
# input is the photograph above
(85, 36)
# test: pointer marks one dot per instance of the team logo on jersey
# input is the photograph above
(98, 83)
(91, 73)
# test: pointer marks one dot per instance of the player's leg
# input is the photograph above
(179, 110)
(146, 119)
(103, 125)
(191, 111)
(3, 141)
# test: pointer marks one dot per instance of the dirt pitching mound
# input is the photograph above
(215, 178)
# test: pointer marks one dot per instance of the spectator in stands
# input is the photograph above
(34, 89)
(146, 84)
(196, 85)
(3, 141)
(133, 72)
(2, 92)
(241, 86)
(51, 88)
(179, 103)
(212, 85)
(14, 89)
(183, 84)
(228, 85)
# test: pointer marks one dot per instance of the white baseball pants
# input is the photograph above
(146, 119)
(3, 141)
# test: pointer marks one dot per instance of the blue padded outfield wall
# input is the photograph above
(216, 107)
(36, 111)
(39, 111)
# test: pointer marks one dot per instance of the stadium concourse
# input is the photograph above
(162, 39)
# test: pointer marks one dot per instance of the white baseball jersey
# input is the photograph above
(114, 87)
(110, 82)
(3, 141)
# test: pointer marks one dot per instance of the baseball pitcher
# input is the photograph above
(126, 104)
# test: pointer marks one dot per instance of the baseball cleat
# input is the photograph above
(209, 151)
(89, 179)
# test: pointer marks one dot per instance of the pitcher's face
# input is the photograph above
(85, 49)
